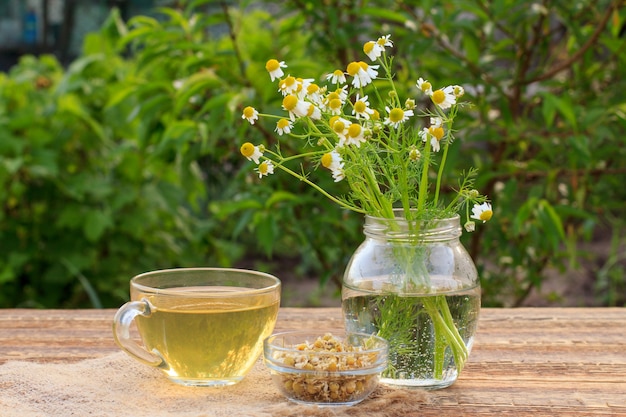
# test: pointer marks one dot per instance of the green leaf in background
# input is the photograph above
(73, 105)
(266, 231)
(96, 223)
(278, 197)
(176, 136)
(471, 48)
(383, 13)
(563, 105)
(551, 224)
(126, 159)
(200, 82)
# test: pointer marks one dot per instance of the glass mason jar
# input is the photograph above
(414, 284)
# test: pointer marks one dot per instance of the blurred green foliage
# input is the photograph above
(128, 160)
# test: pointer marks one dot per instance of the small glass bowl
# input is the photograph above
(326, 369)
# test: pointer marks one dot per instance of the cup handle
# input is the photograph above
(121, 332)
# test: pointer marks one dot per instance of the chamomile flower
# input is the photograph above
(385, 41)
(334, 106)
(355, 135)
(433, 133)
(397, 116)
(274, 67)
(302, 86)
(283, 126)
(314, 93)
(333, 102)
(425, 86)
(288, 85)
(251, 152)
(342, 92)
(436, 122)
(361, 108)
(265, 168)
(340, 126)
(333, 161)
(337, 77)
(363, 74)
(444, 98)
(375, 49)
(482, 212)
(469, 226)
(458, 91)
(314, 112)
(250, 114)
(295, 106)
(414, 153)
(372, 50)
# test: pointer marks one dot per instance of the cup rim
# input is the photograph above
(180, 291)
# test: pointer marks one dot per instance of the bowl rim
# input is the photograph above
(381, 348)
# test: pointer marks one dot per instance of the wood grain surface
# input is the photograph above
(525, 362)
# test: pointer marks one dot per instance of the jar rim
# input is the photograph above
(401, 228)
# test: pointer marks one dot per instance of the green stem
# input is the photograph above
(444, 157)
(321, 190)
(423, 188)
(458, 340)
(446, 334)
(440, 347)
(442, 164)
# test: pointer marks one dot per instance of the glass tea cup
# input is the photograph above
(200, 326)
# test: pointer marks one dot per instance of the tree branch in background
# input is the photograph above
(590, 42)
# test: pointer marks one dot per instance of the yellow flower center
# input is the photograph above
(287, 82)
(312, 89)
(327, 160)
(331, 96)
(300, 82)
(363, 65)
(248, 112)
(263, 168)
(338, 73)
(426, 86)
(332, 121)
(414, 154)
(438, 97)
(354, 130)
(368, 47)
(486, 215)
(375, 115)
(339, 127)
(335, 104)
(282, 123)
(353, 68)
(247, 149)
(396, 115)
(360, 107)
(437, 132)
(290, 102)
(272, 65)
(311, 110)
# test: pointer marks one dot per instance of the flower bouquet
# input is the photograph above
(393, 158)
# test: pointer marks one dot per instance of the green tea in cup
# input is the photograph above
(201, 326)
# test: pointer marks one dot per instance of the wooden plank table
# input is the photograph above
(525, 362)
